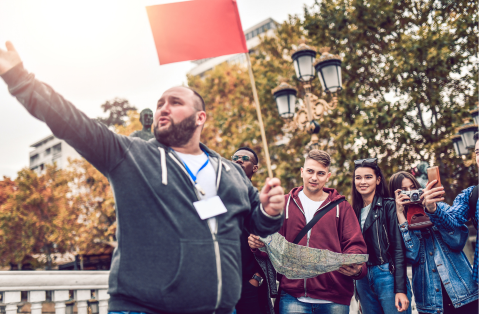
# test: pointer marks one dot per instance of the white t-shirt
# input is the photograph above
(310, 207)
(364, 215)
(206, 178)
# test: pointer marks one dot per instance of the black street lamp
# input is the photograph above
(459, 145)
(285, 96)
(328, 67)
(303, 61)
(467, 134)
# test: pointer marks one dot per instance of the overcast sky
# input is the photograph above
(91, 51)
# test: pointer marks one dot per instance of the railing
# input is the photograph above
(89, 289)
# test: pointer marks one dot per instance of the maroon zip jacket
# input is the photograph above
(338, 231)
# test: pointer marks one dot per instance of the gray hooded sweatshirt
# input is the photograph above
(167, 259)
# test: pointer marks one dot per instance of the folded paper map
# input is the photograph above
(301, 262)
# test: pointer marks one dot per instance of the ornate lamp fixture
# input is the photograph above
(467, 134)
(285, 96)
(328, 67)
(303, 61)
(459, 145)
(463, 141)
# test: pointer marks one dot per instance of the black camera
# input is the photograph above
(414, 195)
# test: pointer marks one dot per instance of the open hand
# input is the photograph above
(272, 197)
(8, 58)
(431, 196)
(254, 242)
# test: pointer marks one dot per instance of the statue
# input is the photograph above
(146, 119)
(420, 172)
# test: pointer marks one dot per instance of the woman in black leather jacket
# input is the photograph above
(385, 289)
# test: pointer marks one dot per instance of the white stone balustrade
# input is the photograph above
(36, 283)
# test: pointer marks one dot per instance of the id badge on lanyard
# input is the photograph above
(210, 207)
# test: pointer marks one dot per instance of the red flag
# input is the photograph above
(196, 29)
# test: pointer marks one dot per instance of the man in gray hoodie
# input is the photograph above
(180, 207)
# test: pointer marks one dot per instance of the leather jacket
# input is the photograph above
(384, 241)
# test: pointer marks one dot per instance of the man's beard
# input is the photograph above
(179, 134)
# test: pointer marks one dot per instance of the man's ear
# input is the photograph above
(255, 168)
(328, 176)
(201, 118)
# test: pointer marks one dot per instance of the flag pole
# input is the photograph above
(260, 119)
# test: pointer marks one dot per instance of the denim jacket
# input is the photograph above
(437, 255)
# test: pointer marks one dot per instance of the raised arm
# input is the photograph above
(266, 215)
(445, 217)
(93, 140)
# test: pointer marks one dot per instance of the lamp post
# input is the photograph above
(463, 141)
(328, 67)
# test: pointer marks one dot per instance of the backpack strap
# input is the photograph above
(316, 218)
(473, 197)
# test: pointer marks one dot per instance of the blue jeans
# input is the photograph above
(376, 291)
(290, 305)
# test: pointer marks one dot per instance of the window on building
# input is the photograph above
(48, 151)
(57, 148)
(34, 159)
(42, 166)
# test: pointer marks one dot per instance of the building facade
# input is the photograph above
(265, 28)
(51, 150)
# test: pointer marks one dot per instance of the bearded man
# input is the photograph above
(180, 207)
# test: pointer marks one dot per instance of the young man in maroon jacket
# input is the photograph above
(337, 231)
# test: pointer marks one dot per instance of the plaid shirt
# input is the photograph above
(451, 217)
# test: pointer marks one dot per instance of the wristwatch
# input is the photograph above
(258, 279)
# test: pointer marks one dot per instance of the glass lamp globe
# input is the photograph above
(303, 61)
(467, 134)
(328, 67)
(459, 145)
(475, 115)
(285, 97)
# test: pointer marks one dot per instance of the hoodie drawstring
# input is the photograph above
(287, 206)
(164, 173)
(227, 168)
(337, 211)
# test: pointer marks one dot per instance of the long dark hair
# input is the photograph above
(395, 182)
(381, 189)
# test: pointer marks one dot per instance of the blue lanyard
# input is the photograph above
(202, 167)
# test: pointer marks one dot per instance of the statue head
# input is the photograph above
(146, 118)
(422, 167)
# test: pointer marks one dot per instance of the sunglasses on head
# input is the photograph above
(244, 158)
(367, 161)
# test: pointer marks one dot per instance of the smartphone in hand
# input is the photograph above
(433, 174)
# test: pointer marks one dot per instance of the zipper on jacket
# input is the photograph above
(217, 247)
(213, 234)
(387, 238)
(379, 244)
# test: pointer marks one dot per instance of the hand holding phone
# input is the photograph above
(433, 174)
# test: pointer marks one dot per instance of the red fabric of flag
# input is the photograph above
(196, 29)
